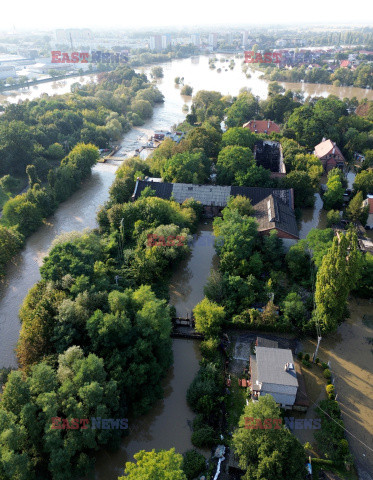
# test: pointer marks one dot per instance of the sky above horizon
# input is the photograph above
(43, 15)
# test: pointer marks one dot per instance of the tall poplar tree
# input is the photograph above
(339, 272)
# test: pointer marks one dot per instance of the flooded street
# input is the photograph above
(350, 352)
(186, 287)
(312, 218)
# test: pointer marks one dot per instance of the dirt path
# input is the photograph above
(351, 358)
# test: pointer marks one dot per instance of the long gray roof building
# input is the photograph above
(274, 207)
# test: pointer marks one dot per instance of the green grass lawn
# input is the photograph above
(235, 403)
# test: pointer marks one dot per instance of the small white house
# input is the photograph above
(273, 372)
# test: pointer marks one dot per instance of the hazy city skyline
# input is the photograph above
(41, 15)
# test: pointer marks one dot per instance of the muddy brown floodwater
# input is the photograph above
(168, 424)
(351, 357)
(77, 213)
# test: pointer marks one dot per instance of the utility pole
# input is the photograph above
(317, 347)
(318, 329)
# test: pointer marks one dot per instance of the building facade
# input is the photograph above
(329, 155)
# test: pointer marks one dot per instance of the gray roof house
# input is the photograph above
(273, 372)
(274, 208)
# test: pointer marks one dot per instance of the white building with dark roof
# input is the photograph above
(273, 372)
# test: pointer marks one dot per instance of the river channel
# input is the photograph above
(168, 424)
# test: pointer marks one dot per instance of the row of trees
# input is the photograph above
(24, 214)
(35, 136)
(361, 77)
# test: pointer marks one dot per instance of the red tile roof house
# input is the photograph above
(345, 64)
(262, 126)
(330, 155)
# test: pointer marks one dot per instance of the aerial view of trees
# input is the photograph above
(267, 453)
(95, 338)
(53, 143)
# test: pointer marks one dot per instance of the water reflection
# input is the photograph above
(313, 217)
(77, 213)
(186, 288)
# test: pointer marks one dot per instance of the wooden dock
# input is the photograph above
(184, 328)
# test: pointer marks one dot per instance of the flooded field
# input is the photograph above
(351, 356)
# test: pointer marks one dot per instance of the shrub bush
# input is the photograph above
(324, 365)
(327, 374)
(199, 421)
(306, 363)
(205, 384)
(329, 389)
(193, 464)
(209, 349)
(317, 360)
(307, 357)
(322, 461)
(204, 437)
(300, 355)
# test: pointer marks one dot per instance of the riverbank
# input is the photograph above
(76, 213)
(167, 425)
(319, 89)
(31, 83)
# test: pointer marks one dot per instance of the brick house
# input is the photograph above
(330, 155)
(262, 126)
